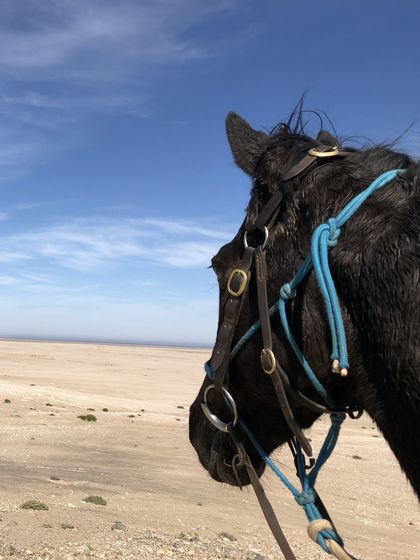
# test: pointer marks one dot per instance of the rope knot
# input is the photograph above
(306, 497)
(334, 233)
(322, 532)
(287, 292)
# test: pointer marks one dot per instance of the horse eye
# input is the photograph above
(219, 273)
(218, 269)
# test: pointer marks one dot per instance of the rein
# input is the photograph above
(321, 528)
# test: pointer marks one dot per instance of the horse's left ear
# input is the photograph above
(247, 144)
(328, 139)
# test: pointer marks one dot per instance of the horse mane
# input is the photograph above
(297, 127)
(297, 134)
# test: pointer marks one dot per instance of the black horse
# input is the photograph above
(376, 269)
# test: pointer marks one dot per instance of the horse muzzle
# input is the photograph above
(217, 452)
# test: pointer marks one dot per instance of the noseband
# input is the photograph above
(257, 227)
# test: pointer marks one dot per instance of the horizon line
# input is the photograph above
(106, 341)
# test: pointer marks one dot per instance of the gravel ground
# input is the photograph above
(150, 545)
(159, 501)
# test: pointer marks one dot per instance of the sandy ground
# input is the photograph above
(160, 502)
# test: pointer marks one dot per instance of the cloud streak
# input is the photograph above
(109, 278)
(86, 245)
(62, 63)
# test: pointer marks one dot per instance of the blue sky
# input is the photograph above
(116, 180)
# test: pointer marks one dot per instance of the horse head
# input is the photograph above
(368, 265)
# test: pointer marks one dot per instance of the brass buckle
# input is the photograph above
(268, 361)
(242, 287)
(316, 153)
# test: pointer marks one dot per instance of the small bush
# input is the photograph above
(97, 500)
(7, 401)
(34, 504)
(88, 417)
(47, 526)
(67, 526)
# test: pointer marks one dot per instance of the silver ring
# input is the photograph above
(263, 246)
(215, 420)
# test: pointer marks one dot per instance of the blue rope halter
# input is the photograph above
(324, 238)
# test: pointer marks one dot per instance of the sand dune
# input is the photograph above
(137, 457)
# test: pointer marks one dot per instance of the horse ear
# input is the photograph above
(247, 144)
(326, 138)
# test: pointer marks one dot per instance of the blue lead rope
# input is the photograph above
(324, 238)
(307, 497)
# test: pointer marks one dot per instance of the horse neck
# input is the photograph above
(380, 296)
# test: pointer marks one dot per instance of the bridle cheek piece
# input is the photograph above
(254, 258)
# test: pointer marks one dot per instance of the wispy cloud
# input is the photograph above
(63, 62)
(79, 316)
(6, 280)
(61, 35)
(90, 244)
(110, 277)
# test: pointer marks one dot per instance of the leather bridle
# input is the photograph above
(257, 226)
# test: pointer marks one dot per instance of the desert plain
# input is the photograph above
(136, 457)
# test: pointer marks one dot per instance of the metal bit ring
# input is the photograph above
(215, 420)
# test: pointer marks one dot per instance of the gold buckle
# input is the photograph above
(242, 287)
(316, 153)
(268, 361)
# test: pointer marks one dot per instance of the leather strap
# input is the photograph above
(268, 512)
(300, 169)
(288, 413)
(219, 361)
(266, 214)
(261, 277)
(305, 165)
(265, 505)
